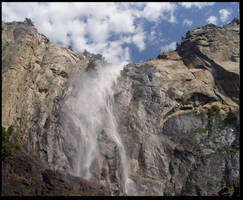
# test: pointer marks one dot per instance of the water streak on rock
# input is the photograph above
(88, 110)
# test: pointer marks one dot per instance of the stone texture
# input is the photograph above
(177, 144)
(166, 130)
(24, 175)
(173, 141)
(34, 78)
(220, 56)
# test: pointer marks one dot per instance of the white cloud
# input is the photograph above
(127, 39)
(224, 15)
(154, 36)
(115, 52)
(139, 38)
(122, 22)
(89, 25)
(154, 10)
(199, 5)
(99, 27)
(169, 47)
(187, 22)
(212, 20)
(97, 30)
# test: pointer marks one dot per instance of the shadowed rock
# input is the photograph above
(177, 115)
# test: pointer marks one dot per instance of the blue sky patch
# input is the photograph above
(131, 32)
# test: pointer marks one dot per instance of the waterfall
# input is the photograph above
(88, 109)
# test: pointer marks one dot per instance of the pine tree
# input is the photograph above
(28, 21)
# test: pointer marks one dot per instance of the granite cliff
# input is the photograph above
(177, 115)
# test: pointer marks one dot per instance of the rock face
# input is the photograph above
(177, 114)
(24, 175)
(216, 49)
(34, 77)
(174, 113)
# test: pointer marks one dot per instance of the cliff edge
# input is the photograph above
(178, 114)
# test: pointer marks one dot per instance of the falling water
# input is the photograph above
(89, 110)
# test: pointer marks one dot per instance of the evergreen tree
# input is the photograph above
(28, 21)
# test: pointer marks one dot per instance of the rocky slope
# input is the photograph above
(178, 114)
(25, 175)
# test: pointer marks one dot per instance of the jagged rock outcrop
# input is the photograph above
(217, 50)
(174, 115)
(178, 114)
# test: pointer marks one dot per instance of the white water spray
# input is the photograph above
(89, 110)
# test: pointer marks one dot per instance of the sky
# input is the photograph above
(120, 31)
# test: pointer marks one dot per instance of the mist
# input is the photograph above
(88, 110)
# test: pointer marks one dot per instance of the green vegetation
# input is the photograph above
(231, 191)
(86, 53)
(70, 47)
(28, 21)
(7, 145)
(212, 113)
(227, 191)
(47, 123)
(124, 74)
(97, 57)
(201, 130)
(17, 146)
(91, 64)
(230, 149)
(226, 150)
(231, 118)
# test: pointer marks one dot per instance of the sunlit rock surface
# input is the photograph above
(177, 114)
